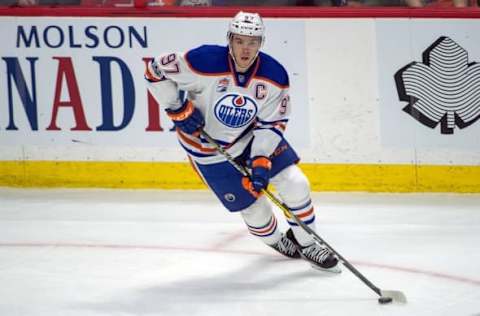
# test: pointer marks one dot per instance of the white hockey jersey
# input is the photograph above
(236, 106)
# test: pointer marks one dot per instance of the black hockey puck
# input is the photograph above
(384, 300)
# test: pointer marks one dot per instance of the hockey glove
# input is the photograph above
(188, 118)
(260, 172)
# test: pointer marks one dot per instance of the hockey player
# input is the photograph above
(239, 96)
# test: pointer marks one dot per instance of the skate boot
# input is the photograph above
(318, 256)
(286, 247)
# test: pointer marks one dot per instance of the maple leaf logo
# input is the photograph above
(444, 89)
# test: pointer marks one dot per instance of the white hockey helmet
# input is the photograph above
(245, 23)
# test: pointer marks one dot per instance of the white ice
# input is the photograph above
(129, 252)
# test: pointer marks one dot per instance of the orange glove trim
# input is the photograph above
(183, 115)
(247, 185)
(262, 162)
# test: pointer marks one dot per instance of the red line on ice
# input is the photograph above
(219, 248)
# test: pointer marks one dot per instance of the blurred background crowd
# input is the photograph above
(324, 3)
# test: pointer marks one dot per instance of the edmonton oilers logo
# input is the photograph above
(235, 110)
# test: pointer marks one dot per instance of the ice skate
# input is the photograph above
(286, 247)
(318, 256)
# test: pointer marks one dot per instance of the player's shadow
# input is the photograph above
(190, 296)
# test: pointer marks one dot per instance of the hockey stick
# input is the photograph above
(386, 296)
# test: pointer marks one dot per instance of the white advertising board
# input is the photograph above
(354, 97)
(79, 81)
(429, 83)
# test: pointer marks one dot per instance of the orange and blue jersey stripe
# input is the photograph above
(278, 127)
(198, 146)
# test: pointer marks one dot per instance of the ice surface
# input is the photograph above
(136, 252)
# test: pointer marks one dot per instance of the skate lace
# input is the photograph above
(285, 245)
(316, 253)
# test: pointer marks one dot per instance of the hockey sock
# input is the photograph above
(306, 214)
(261, 221)
(294, 189)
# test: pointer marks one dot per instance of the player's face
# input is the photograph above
(244, 49)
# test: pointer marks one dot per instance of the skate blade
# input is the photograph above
(336, 269)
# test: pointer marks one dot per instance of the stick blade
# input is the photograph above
(397, 296)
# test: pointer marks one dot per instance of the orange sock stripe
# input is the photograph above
(305, 214)
(271, 229)
(271, 226)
